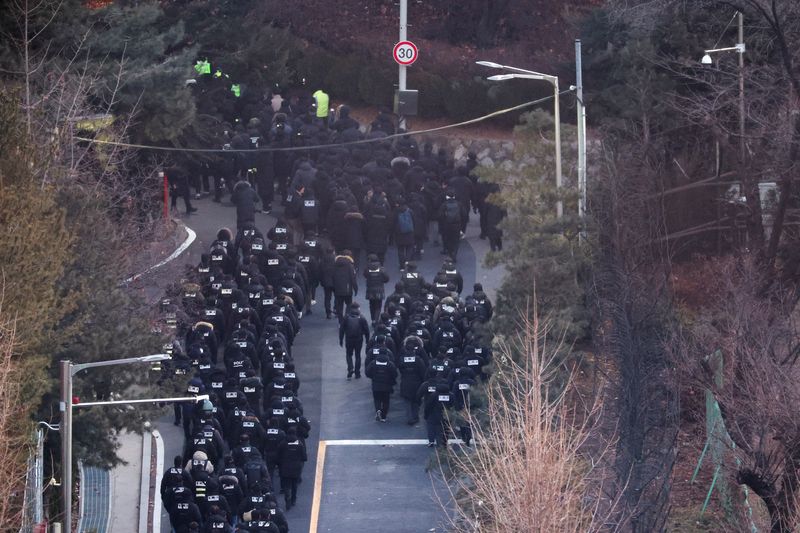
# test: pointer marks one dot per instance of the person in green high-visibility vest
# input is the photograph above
(236, 90)
(323, 105)
(202, 67)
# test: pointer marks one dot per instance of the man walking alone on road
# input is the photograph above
(352, 329)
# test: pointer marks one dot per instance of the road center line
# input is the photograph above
(316, 501)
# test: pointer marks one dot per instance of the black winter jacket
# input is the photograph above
(376, 277)
(383, 373)
(353, 327)
(244, 198)
(344, 277)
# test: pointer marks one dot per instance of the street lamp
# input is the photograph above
(740, 48)
(68, 371)
(518, 73)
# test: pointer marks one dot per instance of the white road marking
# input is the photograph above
(385, 442)
(191, 236)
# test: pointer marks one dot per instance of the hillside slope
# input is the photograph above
(529, 33)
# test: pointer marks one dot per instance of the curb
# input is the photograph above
(159, 475)
(144, 481)
(190, 237)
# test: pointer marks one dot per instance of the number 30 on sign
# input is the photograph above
(405, 53)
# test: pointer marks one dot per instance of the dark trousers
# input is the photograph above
(484, 225)
(375, 306)
(435, 428)
(419, 246)
(266, 190)
(466, 433)
(312, 290)
(381, 399)
(404, 253)
(496, 240)
(328, 296)
(450, 242)
(340, 302)
(289, 488)
(353, 349)
(219, 188)
(272, 467)
(412, 411)
(187, 198)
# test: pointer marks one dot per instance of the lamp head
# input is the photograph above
(707, 60)
(489, 64)
(502, 77)
(155, 358)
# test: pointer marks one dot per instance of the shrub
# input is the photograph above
(433, 92)
(467, 99)
(313, 65)
(342, 79)
(376, 86)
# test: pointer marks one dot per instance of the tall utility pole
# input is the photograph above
(66, 443)
(742, 144)
(401, 78)
(581, 130)
(557, 118)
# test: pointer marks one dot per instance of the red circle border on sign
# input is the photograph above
(397, 59)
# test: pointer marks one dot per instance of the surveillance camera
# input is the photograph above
(572, 88)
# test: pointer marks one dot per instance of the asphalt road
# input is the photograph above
(363, 486)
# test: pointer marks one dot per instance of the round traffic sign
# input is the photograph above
(405, 52)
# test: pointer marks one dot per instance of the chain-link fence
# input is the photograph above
(33, 511)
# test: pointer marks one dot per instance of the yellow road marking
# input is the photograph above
(315, 503)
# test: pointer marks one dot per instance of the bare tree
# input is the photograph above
(531, 468)
(712, 99)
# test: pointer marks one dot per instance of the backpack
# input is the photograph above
(253, 473)
(352, 325)
(452, 212)
(405, 222)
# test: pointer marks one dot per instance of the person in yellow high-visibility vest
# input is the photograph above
(323, 105)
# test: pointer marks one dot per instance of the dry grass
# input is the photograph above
(528, 471)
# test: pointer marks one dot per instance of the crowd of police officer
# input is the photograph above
(236, 319)
(234, 334)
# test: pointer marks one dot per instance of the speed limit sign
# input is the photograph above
(405, 53)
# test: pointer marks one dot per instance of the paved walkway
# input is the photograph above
(125, 481)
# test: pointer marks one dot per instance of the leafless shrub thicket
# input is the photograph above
(529, 470)
(12, 446)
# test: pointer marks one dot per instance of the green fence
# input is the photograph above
(719, 448)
